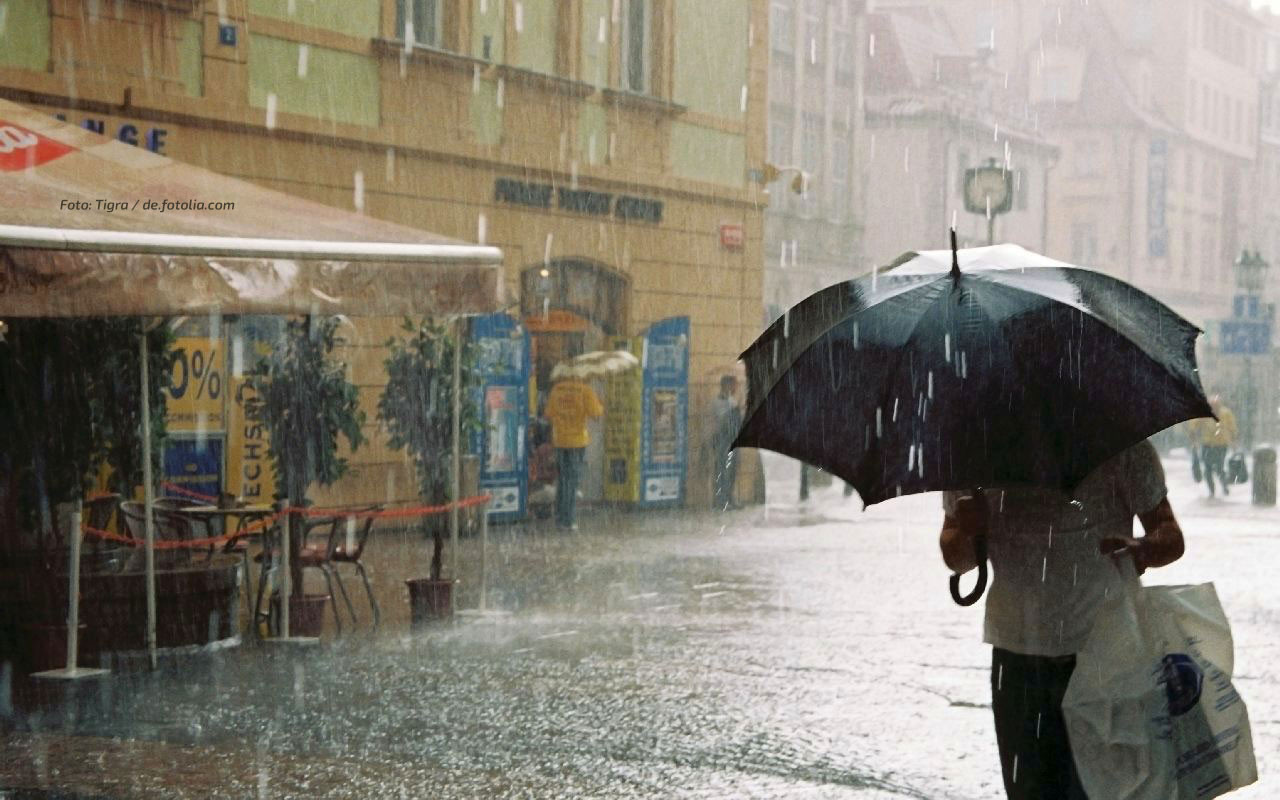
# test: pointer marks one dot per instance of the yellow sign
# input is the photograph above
(249, 468)
(622, 415)
(195, 389)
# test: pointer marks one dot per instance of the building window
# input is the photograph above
(1084, 244)
(782, 30)
(635, 46)
(418, 21)
(814, 32)
(840, 174)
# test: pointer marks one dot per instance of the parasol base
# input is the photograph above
(294, 641)
(74, 674)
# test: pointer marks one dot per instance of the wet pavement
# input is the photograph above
(783, 651)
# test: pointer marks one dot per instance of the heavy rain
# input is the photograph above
(639, 398)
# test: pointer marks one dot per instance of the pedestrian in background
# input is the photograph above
(1215, 438)
(726, 418)
(569, 406)
(1054, 557)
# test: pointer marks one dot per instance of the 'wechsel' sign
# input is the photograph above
(578, 201)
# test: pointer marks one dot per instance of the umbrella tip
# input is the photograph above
(955, 256)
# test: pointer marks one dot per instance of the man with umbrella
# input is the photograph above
(1054, 556)
(1025, 388)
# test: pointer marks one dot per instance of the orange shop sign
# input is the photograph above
(732, 235)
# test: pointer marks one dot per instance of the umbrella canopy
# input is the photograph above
(596, 364)
(90, 226)
(993, 366)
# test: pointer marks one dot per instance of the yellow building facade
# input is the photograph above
(604, 145)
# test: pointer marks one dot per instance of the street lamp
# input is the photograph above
(1250, 274)
(770, 173)
(988, 190)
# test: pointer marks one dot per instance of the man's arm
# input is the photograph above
(1162, 545)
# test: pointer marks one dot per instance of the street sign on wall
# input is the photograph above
(1246, 337)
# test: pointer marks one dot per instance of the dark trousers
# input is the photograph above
(569, 467)
(1215, 457)
(726, 478)
(1026, 699)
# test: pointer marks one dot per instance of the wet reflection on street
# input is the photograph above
(779, 651)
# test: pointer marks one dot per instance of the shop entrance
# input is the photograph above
(572, 306)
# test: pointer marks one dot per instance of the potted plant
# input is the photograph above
(306, 404)
(417, 406)
(71, 399)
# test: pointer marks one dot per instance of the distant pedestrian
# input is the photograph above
(1215, 438)
(726, 418)
(569, 406)
(1048, 552)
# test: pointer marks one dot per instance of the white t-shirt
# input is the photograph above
(1047, 574)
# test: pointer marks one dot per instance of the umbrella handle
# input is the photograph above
(980, 552)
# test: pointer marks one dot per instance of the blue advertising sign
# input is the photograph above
(1246, 337)
(192, 468)
(504, 365)
(664, 430)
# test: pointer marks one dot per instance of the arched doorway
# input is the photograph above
(572, 306)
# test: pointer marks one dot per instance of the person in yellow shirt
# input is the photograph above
(569, 406)
(1214, 438)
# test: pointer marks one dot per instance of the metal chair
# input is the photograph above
(347, 538)
(309, 557)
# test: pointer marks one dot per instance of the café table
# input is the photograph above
(247, 518)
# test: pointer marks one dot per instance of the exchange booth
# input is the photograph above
(647, 420)
(504, 363)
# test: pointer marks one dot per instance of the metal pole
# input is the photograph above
(991, 229)
(148, 502)
(73, 594)
(286, 577)
(456, 439)
(484, 553)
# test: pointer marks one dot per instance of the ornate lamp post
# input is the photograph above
(988, 190)
(1250, 274)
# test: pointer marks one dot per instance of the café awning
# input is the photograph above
(90, 226)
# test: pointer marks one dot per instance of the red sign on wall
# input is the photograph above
(732, 236)
(21, 148)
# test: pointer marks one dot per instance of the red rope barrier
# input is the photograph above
(254, 527)
(173, 487)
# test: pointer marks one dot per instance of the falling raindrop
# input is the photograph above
(591, 149)
(391, 165)
(855, 335)
(358, 190)
(482, 228)
(519, 9)
(304, 51)
(954, 216)
(613, 146)
(871, 46)
(813, 50)
(894, 416)
(475, 79)
(786, 323)
(930, 384)
(617, 11)
(1015, 767)
(946, 345)
(499, 95)
(291, 8)
(271, 110)
(743, 102)
(906, 158)
(751, 35)
(546, 250)
(602, 31)
(879, 423)
(911, 458)
(222, 13)
(920, 461)
(4, 18)
(1038, 715)
(995, 135)
(408, 35)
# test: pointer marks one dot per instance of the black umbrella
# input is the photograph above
(990, 367)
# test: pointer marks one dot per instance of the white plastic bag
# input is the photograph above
(1150, 710)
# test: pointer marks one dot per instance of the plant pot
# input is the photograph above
(306, 614)
(429, 601)
(46, 646)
